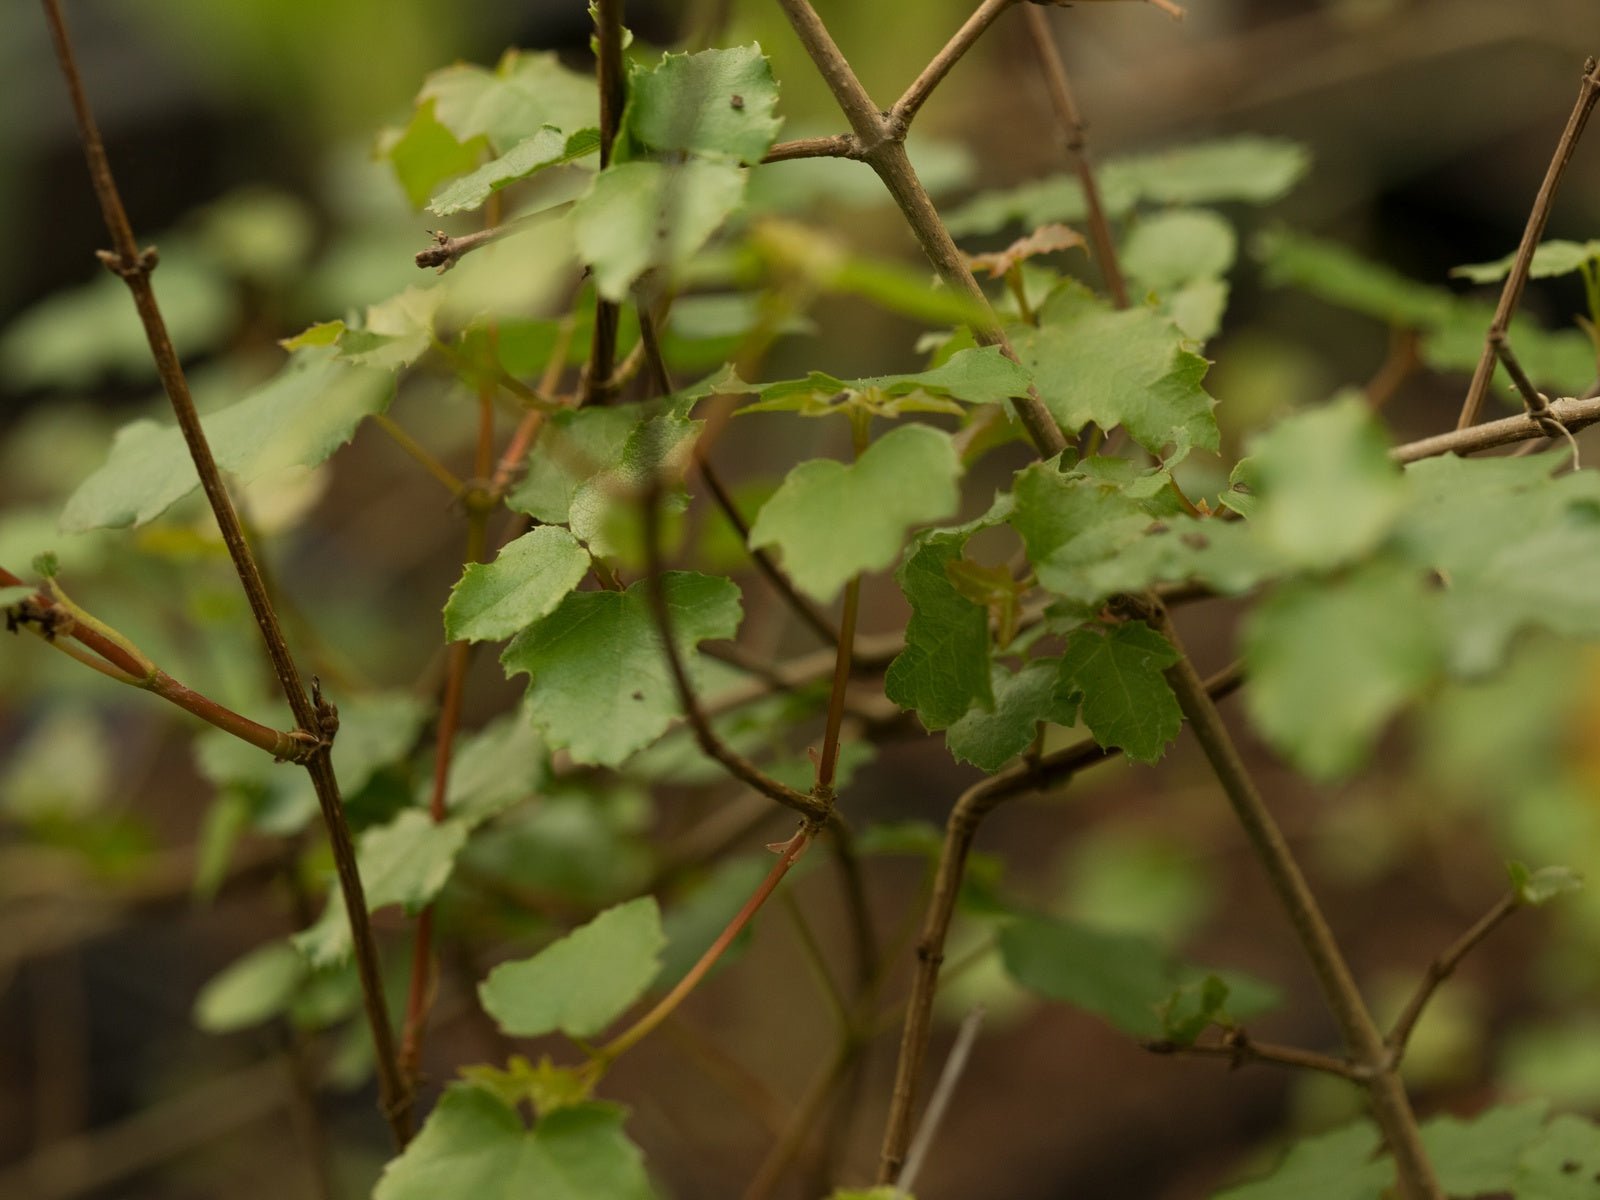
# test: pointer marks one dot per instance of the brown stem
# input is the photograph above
(1398, 365)
(1538, 216)
(1572, 414)
(1391, 1107)
(883, 149)
(841, 145)
(911, 101)
(1240, 1049)
(134, 267)
(806, 1114)
(612, 83)
(1072, 128)
(1442, 967)
(446, 251)
(939, 1101)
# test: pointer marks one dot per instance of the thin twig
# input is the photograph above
(1442, 967)
(883, 148)
(134, 267)
(446, 251)
(1391, 1107)
(1240, 1049)
(911, 101)
(1538, 216)
(1072, 129)
(420, 453)
(840, 145)
(954, 1065)
(806, 1113)
(1399, 364)
(1572, 414)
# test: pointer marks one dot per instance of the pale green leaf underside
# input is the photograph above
(549, 147)
(473, 1144)
(526, 581)
(977, 376)
(830, 521)
(298, 419)
(579, 984)
(251, 989)
(640, 216)
(601, 687)
(1168, 249)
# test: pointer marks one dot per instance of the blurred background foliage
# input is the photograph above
(243, 135)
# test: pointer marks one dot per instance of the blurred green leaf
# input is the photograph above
(1549, 259)
(1544, 885)
(299, 418)
(1168, 249)
(494, 768)
(549, 147)
(1562, 1163)
(717, 103)
(1335, 1166)
(524, 92)
(251, 990)
(1480, 1155)
(426, 153)
(831, 521)
(581, 983)
(977, 376)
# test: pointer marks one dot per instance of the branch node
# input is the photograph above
(139, 267)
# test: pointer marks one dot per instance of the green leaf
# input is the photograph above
(1515, 549)
(574, 446)
(1480, 1155)
(1330, 661)
(977, 376)
(526, 581)
(394, 334)
(1127, 702)
(298, 419)
(581, 983)
(426, 153)
(1168, 249)
(499, 765)
(511, 103)
(375, 729)
(549, 147)
(1119, 977)
(989, 738)
(75, 337)
(1329, 493)
(1072, 527)
(1255, 170)
(1544, 885)
(605, 510)
(474, 1145)
(1336, 1166)
(1549, 259)
(601, 687)
(250, 990)
(944, 669)
(1562, 1163)
(642, 216)
(831, 521)
(1129, 367)
(717, 103)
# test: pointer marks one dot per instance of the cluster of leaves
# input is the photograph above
(1374, 586)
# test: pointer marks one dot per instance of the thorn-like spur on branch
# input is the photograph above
(135, 266)
(1442, 967)
(814, 811)
(1538, 216)
(1571, 414)
(1241, 1050)
(446, 251)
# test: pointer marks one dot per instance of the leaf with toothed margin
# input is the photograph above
(525, 582)
(1127, 702)
(717, 103)
(600, 684)
(550, 147)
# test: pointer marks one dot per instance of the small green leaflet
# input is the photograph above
(1255, 170)
(1336, 1166)
(1550, 259)
(717, 103)
(1168, 249)
(395, 333)
(1133, 368)
(1329, 493)
(1127, 702)
(473, 1144)
(298, 419)
(251, 989)
(425, 153)
(550, 147)
(1073, 526)
(831, 521)
(642, 216)
(601, 687)
(1544, 885)
(1371, 640)
(511, 103)
(526, 581)
(977, 376)
(583, 982)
